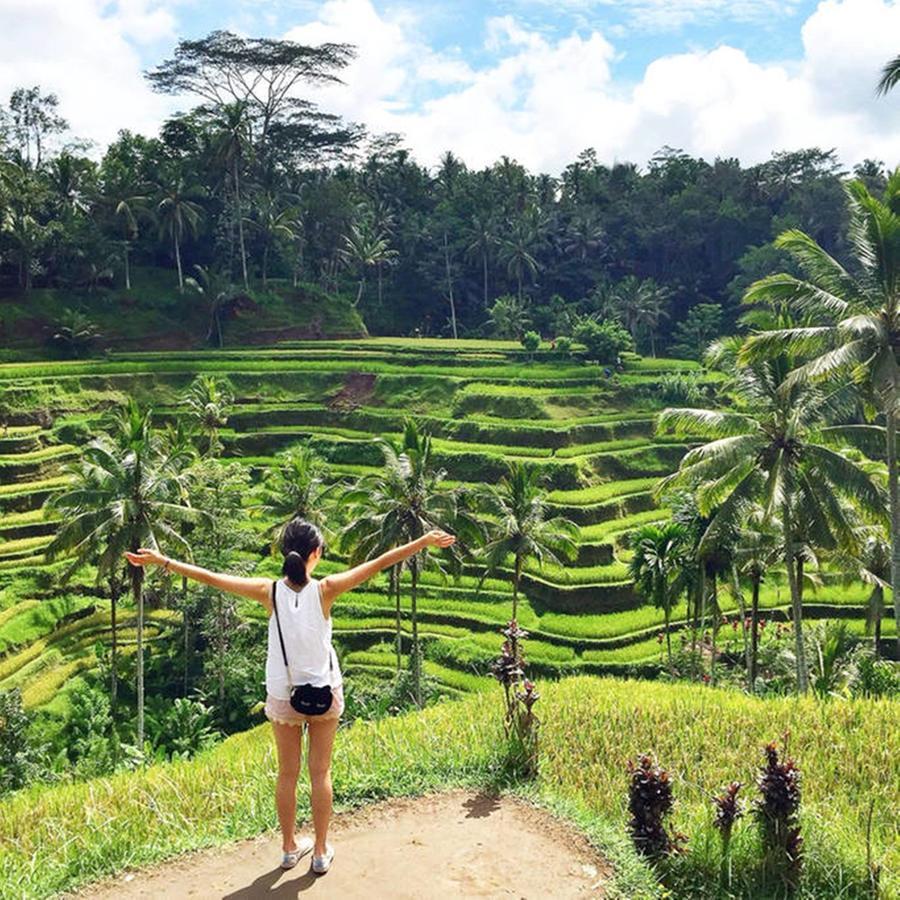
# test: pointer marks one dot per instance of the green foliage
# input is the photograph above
(604, 341)
(18, 756)
(531, 340)
(180, 728)
(702, 324)
(509, 317)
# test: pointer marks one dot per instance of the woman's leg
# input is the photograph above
(287, 741)
(321, 741)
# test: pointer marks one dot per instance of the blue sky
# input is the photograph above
(538, 80)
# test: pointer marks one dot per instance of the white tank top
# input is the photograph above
(307, 641)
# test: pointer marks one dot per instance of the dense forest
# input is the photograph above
(252, 189)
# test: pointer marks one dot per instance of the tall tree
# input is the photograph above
(130, 495)
(403, 502)
(518, 526)
(777, 449)
(851, 323)
(231, 146)
(178, 214)
(266, 75)
(657, 566)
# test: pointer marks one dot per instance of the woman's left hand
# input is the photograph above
(145, 557)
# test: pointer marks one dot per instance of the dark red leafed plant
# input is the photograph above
(777, 811)
(650, 800)
(520, 723)
(728, 810)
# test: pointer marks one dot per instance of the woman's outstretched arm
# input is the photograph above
(335, 585)
(253, 588)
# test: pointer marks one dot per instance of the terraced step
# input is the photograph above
(23, 496)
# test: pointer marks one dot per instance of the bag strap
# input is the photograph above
(280, 636)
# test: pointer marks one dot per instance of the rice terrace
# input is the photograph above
(576, 493)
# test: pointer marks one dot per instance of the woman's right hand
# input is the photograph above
(145, 557)
(438, 538)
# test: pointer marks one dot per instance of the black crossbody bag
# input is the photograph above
(308, 699)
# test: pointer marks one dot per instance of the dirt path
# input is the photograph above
(455, 844)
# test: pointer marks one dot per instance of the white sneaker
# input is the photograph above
(321, 864)
(289, 859)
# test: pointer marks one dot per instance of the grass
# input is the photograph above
(589, 728)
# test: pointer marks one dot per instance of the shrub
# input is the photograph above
(531, 340)
(777, 812)
(693, 335)
(563, 345)
(874, 677)
(678, 389)
(603, 341)
(91, 741)
(509, 317)
(520, 722)
(650, 800)
(19, 758)
(728, 810)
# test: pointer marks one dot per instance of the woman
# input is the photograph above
(304, 614)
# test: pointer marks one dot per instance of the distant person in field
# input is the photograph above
(304, 614)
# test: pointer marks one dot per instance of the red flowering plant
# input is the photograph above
(519, 722)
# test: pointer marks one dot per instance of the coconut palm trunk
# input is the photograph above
(667, 609)
(114, 651)
(394, 589)
(186, 627)
(236, 178)
(754, 631)
(127, 269)
(137, 590)
(517, 578)
(450, 286)
(796, 599)
(891, 428)
(178, 263)
(416, 659)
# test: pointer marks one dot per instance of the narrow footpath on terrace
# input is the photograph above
(454, 844)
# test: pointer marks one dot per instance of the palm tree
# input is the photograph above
(297, 486)
(230, 143)
(402, 503)
(176, 215)
(365, 248)
(509, 317)
(775, 449)
(208, 402)
(869, 562)
(890, 76)
(128, 494)
(853, 322)
(640, 305)
(517, 252)
(127, 209)
(481, 238)
(517, 526)
(220, 294)
(274, 220)
(657, 566)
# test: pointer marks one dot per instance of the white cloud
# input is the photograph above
(543, 100)
(669, 15)
(539, 99)
(80, 50)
